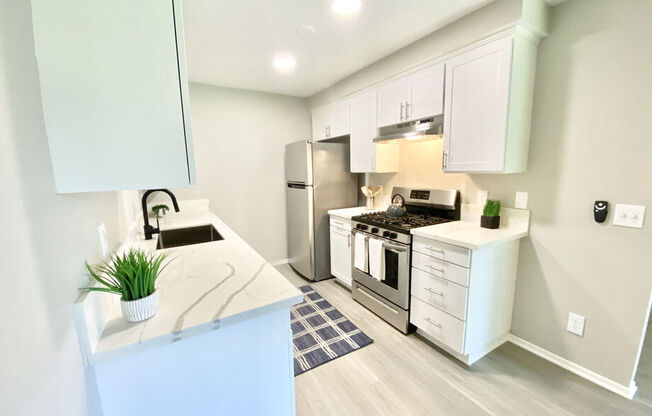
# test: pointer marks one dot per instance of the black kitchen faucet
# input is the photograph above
(149, 230)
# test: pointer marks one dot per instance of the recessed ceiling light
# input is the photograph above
(346, 6)
(284, 63)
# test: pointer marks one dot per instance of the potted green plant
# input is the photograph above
(490, 215)
(131, 275)
(160, 210)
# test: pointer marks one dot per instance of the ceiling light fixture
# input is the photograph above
(284, 63)
(346, 6)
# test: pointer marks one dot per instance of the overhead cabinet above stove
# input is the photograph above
(412, 97)
(114, 92)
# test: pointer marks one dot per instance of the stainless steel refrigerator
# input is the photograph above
(318, 179)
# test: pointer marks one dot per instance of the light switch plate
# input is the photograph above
(520, 201)
(104, 241)
(482, 197)
(627, 215)
(575, 324)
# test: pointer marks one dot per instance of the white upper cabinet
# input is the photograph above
(331, 121)
(412, 97)
(488, 107)
(425, 94)
(367, 156)
(319, 124)
(115, 96)
(391, 102)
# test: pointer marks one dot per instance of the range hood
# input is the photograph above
(430, 128)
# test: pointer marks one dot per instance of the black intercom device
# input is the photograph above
(600, 211)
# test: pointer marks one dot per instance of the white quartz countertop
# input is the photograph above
(206, 286)
(350, 212)
(468, 233)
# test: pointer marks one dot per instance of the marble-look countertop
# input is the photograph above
(205, 287)
(514, 224)
(350, 212)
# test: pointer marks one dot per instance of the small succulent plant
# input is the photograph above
(160, 210)
(491, 208)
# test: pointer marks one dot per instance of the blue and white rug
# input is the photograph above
(321, 333)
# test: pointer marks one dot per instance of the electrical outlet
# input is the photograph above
(520, 201)
(629, 215)
(104, 240)
(575, 324)
(482, 197)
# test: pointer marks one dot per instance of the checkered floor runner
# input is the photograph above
(321, 333)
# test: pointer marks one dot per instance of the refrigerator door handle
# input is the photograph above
(297, 185)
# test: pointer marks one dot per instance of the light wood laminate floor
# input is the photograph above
(404, 375)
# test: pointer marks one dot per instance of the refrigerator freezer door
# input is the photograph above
(300, 229)
(298, 162)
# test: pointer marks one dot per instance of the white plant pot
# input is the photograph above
(140, 309)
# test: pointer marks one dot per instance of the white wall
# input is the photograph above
(590, 140)
(44, 240)
(239, 138)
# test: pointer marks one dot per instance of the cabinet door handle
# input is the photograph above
(435, 249)
(432, 323)
(407, 110)
(402, 105)
(434, 292)
(348, 240)
(443, 161)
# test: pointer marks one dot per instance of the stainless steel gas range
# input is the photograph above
(389, 297)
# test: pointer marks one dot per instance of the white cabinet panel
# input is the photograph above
(340, 244)
(425, 93)
(367, 156)
(339, 125)
(320, 122)
(440, 293)
(438, 324)
(476, 105)
(443, 251)
(391, 103)
(440, 268)
(114, 95)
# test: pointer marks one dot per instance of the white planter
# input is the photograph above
(140, 309)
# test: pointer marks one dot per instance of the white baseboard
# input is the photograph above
(622, 390)
(279, 262)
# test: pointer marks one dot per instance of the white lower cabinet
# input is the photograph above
(461, 299)
(340, 244)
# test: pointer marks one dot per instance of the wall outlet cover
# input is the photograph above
(520, 201)
(482, 197)
(626, 215)
(104, 240)
(575, 324)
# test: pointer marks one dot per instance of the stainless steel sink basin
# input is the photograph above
(187, 236)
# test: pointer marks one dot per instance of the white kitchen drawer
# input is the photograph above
(438, 324)
(340, 222)
(443, 251)
(440, 268)
(440, 293)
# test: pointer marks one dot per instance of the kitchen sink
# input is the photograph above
(187, 236)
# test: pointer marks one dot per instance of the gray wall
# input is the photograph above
(45, 239)
(239, 138)
(590, 140)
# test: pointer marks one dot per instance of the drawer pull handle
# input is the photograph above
(434, 268)
(435, 249)
(434, 292)
(432, 323)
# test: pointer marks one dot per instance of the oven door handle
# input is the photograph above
(394, 248)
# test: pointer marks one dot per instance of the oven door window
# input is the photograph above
(391, 269)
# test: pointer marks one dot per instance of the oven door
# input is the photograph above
(396, 286)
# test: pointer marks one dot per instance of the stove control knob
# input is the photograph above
(363, 227)
(393, 235)
(386, 234)
(358, 226)
(374, 230)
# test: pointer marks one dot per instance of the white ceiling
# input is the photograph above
(232, 43)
